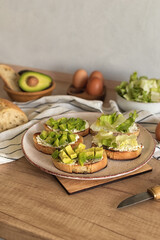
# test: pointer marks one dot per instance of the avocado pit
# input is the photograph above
(32, 81)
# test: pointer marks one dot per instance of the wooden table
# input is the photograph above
(34, 206)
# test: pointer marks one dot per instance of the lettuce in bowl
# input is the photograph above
(140, 89)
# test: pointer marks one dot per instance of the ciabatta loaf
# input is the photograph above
(9, 77)
(10, 115)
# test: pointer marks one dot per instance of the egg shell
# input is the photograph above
(80, 78)
(157, 131)
(95, 86)
(97, 74)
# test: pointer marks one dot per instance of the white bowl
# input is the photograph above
(126, 105)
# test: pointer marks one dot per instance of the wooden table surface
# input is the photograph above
(34, 206)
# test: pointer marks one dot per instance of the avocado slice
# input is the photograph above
(62, 126)
(63, 139)
(82, 158)
(34, 81)
(70, 152)
(64, 157)
(55, 154)
(71, 137)
(80, 148)
(98, 152)
(44, 135)
(56, 143)
(89, 153)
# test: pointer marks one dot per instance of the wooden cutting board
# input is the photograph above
(74, 186)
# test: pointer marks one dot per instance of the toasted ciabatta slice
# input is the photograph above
(76, 125)
(46, 148)
(9, 77)
(122, 155)
(86, 168)
(116, 123)
(11, 115)
(121, 147)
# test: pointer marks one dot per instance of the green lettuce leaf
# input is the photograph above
(123, 127)
(140, 89)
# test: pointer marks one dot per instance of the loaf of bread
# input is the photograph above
(9, 77)
(11, 115)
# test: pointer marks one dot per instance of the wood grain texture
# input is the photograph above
(33, 205)
(74, 186)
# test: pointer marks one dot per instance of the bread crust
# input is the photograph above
(11, 115)
(9, 77)
(50, 149)
(136, 133)
(81, 133)
(86, 168)
(122, 155)
(117, 155)
(9, 104)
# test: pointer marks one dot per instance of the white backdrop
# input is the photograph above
(116, 37)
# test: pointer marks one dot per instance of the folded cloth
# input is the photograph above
(46, 107)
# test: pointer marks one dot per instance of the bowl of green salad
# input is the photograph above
(140, 93)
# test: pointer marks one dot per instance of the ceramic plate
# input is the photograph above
(126, 105)
(114, 169)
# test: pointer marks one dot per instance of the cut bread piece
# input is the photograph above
(9, 77)
(11, 115)
(74, 125)
(89, 167)
(123, 155)
(47, 148)
(120, 147)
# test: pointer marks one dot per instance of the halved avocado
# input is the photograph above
(34, 81)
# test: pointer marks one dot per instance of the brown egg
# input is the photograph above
(95, 86)
(97, 74)
(80, 78)
(157, 132)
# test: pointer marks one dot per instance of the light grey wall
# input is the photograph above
(116, 37)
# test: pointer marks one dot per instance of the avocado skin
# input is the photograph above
(23, 71)
(44, 81)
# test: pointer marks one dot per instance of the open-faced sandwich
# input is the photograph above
(116, 123)
(74, 125)
(118, 147)
(49, 141)
(80, 159)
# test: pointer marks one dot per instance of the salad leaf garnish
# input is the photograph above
(116, 121)
(123, 127)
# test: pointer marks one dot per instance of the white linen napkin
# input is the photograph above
(10, 140)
